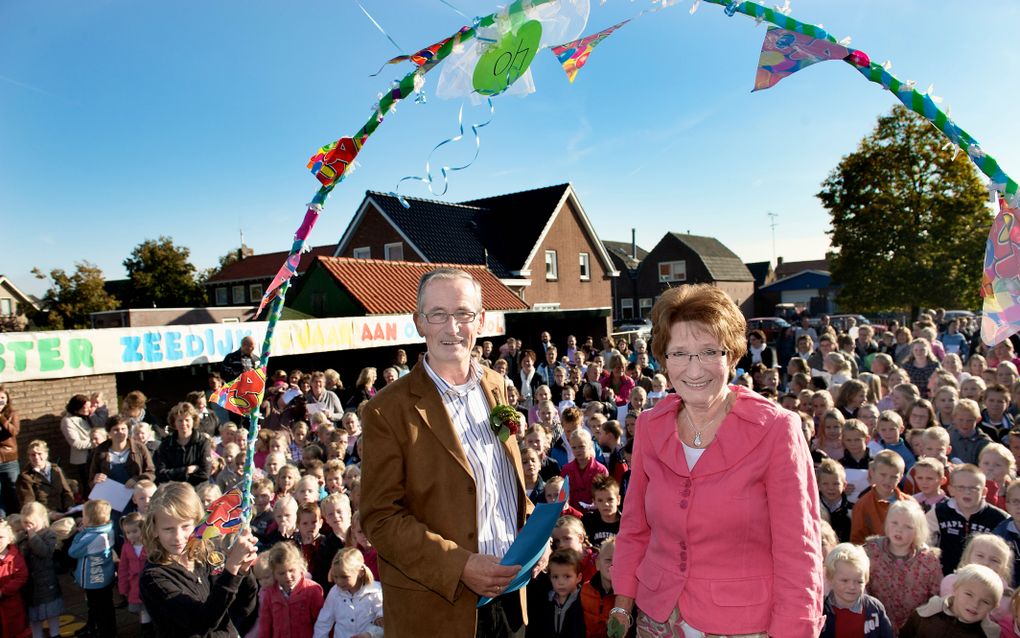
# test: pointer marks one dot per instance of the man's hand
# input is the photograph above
(486, 577)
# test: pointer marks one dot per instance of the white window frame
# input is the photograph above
(221, 296)
(255, 292)
(584, 261)
(677, 270)
(627, 308)
(234, 296)
(362, 252)
(646, 304)
(552, 271)
(390, 249)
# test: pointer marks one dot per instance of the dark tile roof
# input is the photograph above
(788, 268)
(266, 265)
(500, 230)
(622, 251)
(721, 262)
(391, 287)
(760, 271)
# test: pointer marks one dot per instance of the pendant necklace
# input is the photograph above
(697, 432)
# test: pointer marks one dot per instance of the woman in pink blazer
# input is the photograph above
(721, 529)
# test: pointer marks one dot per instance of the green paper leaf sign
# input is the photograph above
(508, 59)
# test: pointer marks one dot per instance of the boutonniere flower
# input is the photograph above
(505, 421)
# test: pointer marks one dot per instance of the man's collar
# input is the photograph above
(446, 388)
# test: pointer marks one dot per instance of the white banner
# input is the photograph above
(27, 356)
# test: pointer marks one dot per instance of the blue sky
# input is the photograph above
(121, 121)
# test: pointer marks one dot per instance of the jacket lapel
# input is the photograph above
(432, 412)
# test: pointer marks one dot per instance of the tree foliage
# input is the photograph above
(162, 276)
(72, 297)
(909, 220)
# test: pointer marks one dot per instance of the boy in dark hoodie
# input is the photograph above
(559, 612)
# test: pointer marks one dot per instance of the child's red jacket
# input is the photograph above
(13, 576)
(129, 573)
(293, 616)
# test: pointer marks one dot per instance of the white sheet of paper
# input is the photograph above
(859, 480)
(114, 492)
(291, 394)
(315, 407)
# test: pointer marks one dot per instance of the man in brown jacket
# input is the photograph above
(442, 498)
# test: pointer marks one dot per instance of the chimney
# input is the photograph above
(633, 243)
(779, 261)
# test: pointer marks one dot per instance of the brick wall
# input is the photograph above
(40, 404)
(375, 232)
(568, 239)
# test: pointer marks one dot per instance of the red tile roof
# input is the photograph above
(391, 287)
(265, 266)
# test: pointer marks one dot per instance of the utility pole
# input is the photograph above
(773, 225)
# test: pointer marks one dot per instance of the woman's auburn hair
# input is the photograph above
(703, 304)
(177, 500)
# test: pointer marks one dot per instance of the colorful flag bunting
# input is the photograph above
(333, 160)
(222, 517)
(574, 55)
(243, 394)
(785, 52)
(287, 270)
(1000, 283)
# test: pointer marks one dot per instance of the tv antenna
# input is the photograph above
(772, 224)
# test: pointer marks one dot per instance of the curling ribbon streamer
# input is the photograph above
(378, 26)
(446, 170)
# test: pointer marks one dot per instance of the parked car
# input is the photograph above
(840, 322)
(773, 327)
(643, 327)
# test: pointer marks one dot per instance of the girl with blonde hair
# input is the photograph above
(354, 605)
(180, 587)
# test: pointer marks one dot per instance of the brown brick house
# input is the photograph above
(539, 243)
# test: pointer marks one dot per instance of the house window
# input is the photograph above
(365, 252)
(551, 269)
(585, 261)
(394, 252)
(255, 292)
(627, 308)
(646, 307)
(6, 308)
(672, 271)
(237, 294)
(318, 303)
(221, 296)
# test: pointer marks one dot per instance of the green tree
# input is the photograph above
(909, 220)
(162, 276)
(72, 297)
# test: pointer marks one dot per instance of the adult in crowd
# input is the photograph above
(618, 379)
(319, 399)
(364, 389)
(185, 453)
(400, 362)
(758, 351)
(715, 457)
(44, 482)
(121, 459)
(10, 425)
(240, 360)
(548, 368)
(133, 407)
(527, 379)
(77, 432)
(442, 499)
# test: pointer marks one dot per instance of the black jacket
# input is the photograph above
(172, 459)
(185, 604)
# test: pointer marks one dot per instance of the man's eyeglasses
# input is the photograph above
(441, 316)
(705, 357)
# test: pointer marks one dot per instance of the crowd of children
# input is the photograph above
(920, 499)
